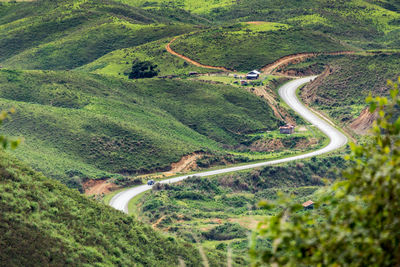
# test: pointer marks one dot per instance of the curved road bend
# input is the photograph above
(288, 93)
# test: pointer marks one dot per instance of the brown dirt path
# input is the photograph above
(154, 225)
(198, 64)
(286, 60)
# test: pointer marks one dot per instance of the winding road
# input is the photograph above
(288, 94)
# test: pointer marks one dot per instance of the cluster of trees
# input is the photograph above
(143, 69)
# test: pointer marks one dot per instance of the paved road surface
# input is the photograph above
(288, 93)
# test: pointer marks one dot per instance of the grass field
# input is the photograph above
(118, 63)
(78, 126)
(68, 34)
(242, 48)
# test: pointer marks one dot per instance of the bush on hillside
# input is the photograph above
(226, 231)
(143, 69)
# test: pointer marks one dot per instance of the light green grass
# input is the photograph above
(78, 126)
(196, 6)
(119, 63)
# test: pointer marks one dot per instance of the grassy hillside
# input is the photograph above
(370, 22)
(118, 63)
(221, 210)
(67, 34)
(78, 126)
(244, 47)
(342, 93)
(310, 26)
(45, 223)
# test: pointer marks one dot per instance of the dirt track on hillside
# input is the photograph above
(268, 69)
(286, 60)
(198, 64)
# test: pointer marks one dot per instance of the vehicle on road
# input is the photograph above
(150, 182)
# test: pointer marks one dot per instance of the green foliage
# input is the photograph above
(117, 63)
(242, 48)
(341, 94)
(226, 231)
(4, 140)
(358, 217)
(222, 209)
(68, 34)
(43, 222)
(106, 126)
(143, 69)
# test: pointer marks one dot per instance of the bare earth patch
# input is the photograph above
(154, 225)
(256, 22)
(185, 164)
(267, 145)
(98, 187)
(363, 123)
(249, 222)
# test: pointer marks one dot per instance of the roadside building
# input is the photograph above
(287, 129)
(253, 75)
(308, 205)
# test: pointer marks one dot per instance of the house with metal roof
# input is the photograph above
(253, 75)
(308, 205)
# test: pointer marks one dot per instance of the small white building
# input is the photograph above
(253, 75)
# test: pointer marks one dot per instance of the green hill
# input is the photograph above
(67, 34)
(64, 66)
(78, 126)
(244, 47)
(310, 26)
(119, 62)
(342, 93)
(43, 223)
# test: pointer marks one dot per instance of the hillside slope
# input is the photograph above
(67, 34)
(220, 211)
(346, 83)
(244, 47)
(78, 126)
(44, 223)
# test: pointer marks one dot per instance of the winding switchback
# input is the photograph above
(288, 93)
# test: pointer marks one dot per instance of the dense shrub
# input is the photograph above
(226, 231)
(143, 69)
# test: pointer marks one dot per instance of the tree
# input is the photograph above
(356, 221)
(143, 69)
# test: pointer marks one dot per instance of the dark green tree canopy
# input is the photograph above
(143, 69)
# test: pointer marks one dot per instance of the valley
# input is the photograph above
(242, 112)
